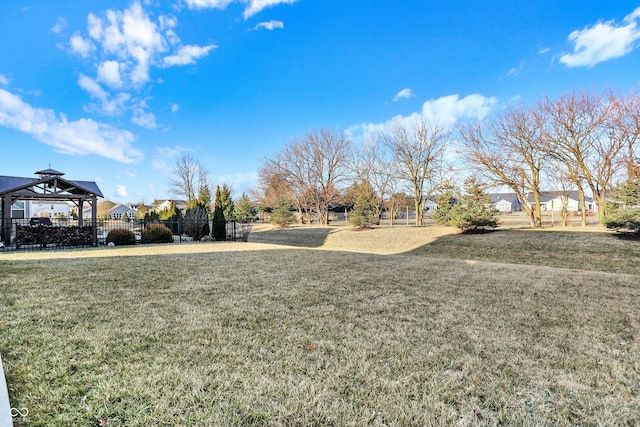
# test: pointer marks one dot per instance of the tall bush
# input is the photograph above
(219, 222)
(365, 208)
(624, 209)
(281, 213)
(472, 210)
(196, 222)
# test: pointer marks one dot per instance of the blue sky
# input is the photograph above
(116, 91)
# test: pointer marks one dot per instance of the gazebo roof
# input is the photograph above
(50, 184)
(49, 172)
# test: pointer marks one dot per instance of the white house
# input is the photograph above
(120, 210)
(553, 201)
(49, 209)
(430, 204)
(21, 209)
(506, 202)
(160, 205)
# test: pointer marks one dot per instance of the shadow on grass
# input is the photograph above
(595, 251)
(304, 237)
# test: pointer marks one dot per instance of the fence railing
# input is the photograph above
(56, 233)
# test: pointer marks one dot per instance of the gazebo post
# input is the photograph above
(6, 219)
(80, 207)
(94, 218)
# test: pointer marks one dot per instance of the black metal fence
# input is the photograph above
(46, 233)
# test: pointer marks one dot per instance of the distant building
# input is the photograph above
(120, 210)
(553, 201)
(506, 202)
(162, 204)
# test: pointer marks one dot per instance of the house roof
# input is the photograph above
(161, 202)
(509, 197)
(120, 208)
(547, 196)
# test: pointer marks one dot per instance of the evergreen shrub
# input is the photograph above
(121, 237)
(157, 233)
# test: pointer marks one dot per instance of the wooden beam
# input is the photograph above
(6, 219)
(94, 219)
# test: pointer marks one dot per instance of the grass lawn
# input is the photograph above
(315, 326)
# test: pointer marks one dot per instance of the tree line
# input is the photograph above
(582, 141)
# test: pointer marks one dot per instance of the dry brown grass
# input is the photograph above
(444, 332)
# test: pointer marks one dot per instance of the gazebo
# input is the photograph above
(48, 186)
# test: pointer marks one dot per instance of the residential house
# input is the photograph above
(120, 210)
(506, 202)
(53, 209)
(553, 201)
(160, 205)
(430, 204)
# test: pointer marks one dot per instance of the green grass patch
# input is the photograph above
(232, 334)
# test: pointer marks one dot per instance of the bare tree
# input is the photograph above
(371, 163)
(272, 185)
(189, 178)
(581, 135)
(510, 153)
(313, 168)
(328, 153)
(563, 186)
(627, 122)
(417, 149)
(287, 175)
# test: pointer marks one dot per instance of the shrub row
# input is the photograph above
(152, 233)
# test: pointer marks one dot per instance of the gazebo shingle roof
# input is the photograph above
(9, 183)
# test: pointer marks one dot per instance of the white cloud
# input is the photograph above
(121, 190)
(94, 26)
(253, 6)
(270, 25)
(80, 46)
(404, 94)
(544, 50)
(167, 154)
(128, 44)
(92, 87)
(174, 108)
(602, 42)
(446, 111)
(143, 118)
(109, 74)
(187, 55)
(80, 137)
(515, 71)
(130, 35)
(256, 6)
(4, 80)
(203, 4)
(60, 25)
(109, 105)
